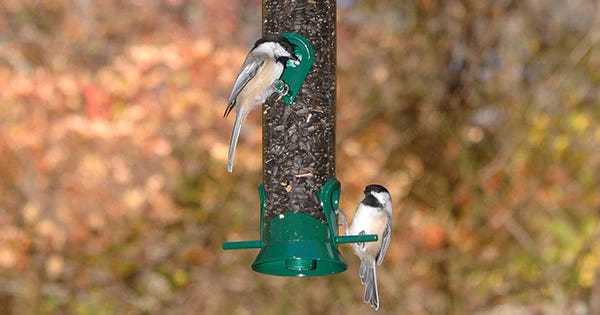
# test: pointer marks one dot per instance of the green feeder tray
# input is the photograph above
(296, 244)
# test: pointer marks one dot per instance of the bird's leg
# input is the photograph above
(361, 244)
(344, 219)
(280, 88)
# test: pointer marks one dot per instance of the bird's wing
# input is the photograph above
(385, 242)
(250, 68)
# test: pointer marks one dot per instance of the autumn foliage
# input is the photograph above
(481, 117)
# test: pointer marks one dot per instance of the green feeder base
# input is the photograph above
(298, 245)
(295, 244)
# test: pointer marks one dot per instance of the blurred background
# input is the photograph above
(481, 117)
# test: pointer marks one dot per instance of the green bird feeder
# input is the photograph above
(296, 244)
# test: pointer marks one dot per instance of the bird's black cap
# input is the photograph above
(375, 188)
(284, 42)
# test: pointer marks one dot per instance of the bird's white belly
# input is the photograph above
(260, 87)
(371, 222)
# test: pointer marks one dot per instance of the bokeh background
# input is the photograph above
(481, 117)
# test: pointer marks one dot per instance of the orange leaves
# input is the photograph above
(97, 102)
(14, 243)
(431, 235)
(428, 232)
(91, 170)
(8, 257)
(97, 153)
(112, 154)
(54, 266)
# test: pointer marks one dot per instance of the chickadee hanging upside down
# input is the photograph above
(373, 216)
(255, 82)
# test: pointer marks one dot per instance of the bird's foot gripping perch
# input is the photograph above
(280, 88)
(342, 215)
(361, 244)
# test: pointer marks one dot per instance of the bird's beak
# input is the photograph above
(295, 60)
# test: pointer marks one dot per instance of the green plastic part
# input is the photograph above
(329, 196)
(295, 74)
(356, 238)
(296, 244)
(242, 244)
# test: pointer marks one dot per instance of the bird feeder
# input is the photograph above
(299, 195)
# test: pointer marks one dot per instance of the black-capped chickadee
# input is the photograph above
(373, 216)
(255, 82)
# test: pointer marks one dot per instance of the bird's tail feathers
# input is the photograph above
(368, 277)
(230, 106)
(237, 126)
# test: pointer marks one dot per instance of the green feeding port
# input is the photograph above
(296, 244)
(295, 73)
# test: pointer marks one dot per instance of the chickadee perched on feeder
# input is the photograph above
(373, 216)
(256, 81)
